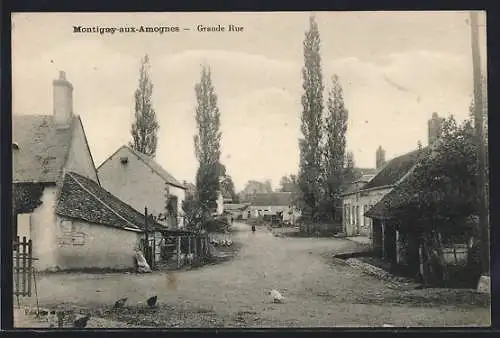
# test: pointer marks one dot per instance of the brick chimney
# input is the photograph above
(434, 128)
(380, 157)
(63, 101)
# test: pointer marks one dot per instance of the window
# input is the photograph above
(66, 226)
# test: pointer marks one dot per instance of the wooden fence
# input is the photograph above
(22, 266)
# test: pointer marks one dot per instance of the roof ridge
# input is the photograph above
(70, 173)
(109, 157)
(141, 156)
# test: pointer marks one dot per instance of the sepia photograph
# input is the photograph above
(250, 170)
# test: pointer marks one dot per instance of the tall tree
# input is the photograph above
(145, 127)
(349, 174)
(312, 108)
(289, 183)
(207, 143)
(335, 147)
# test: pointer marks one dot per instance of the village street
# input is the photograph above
(318, 292)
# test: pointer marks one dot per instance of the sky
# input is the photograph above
(396, 69)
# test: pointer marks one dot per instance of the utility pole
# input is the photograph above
(479, 128)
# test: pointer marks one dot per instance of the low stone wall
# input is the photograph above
(400, 282)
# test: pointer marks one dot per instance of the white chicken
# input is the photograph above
(276, 295)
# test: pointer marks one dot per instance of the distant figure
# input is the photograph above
(253, 228)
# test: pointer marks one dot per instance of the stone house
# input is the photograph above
(141, 182)
(386, 239)
(364, 194)
(58, 201)
(237, 210)
(273, 203)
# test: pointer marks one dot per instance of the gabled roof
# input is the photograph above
(236, 206)
(273, 198)
(42, 148)
(152, 164)
(396, 169)
(366, 171)
(403, 194)
(395, 198)
(84, 199)
(353, 187)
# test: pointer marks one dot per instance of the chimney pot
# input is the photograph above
(62, 101)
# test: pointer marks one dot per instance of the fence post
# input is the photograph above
(178, 251)
(195, 246)
(17, 267)
(24, 257)
(30, 265)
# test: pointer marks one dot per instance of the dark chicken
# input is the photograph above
(81, 322)
(152, 301)
(120, 303)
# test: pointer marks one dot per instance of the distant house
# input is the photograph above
(141, 182)
(272, 204)
(190, 188)
(227, 198)
(237, 210)
(58, 201)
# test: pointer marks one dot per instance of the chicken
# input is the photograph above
(277, 297)
(81, 322)
(52, 319)
(120, 303)
(152, 301)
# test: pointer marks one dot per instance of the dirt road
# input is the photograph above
(318, 292)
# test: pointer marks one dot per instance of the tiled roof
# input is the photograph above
(402, 194)
(234, 206)
(396, 169)
(366, 171)
(42, 148)
(84, 199)
(354, 187)
(273, 198)
(397, 197)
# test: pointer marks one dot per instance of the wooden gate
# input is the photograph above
(22, 266)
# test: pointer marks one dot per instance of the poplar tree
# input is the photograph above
(311, 127)
(145, 127)
(207, 143)
(334, 159)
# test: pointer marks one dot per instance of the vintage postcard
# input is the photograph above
(250, 170)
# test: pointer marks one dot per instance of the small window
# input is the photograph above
(66, 226)
(124, 160)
